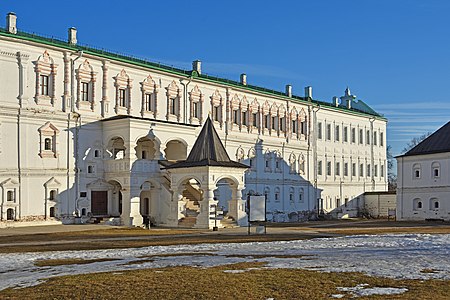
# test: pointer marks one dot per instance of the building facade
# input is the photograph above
(84, 132)
(423, 180)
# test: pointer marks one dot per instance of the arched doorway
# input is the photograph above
(116, 148)
(227, 191)
(190, 194)
(10, 215)
(115, 200)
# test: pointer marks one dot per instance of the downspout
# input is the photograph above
(314, 148)
(282, 178)
(185, 96)
(372, 159)
(19, 162)
(77, 124)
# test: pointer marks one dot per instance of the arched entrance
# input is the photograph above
(115, 199)
(116, 148)
(227, 193)
(190, 195)
(176, 150)
(146, 149)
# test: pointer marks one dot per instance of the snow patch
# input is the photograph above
(360, 290)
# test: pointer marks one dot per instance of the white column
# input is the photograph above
(203, 218)
(237, 207)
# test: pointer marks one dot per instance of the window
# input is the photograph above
(148, 102)
(434, 204)
(303, 127)
(345, 169)
(91, 169)
(44, 85)
(381, 139)
(336, 133)
(361, 136)
(216, 113)
(277, 194)
(319, 130)
(255, 119)
(436, 169)
(235, 116)
(244, 118)
(10, 196)
(266, 121)
(97, 153)
(319, 167)
(338, 169)
(195, 109)
(143, 154)
(329, 132)
(329, 168)
(375, 138)
(52, 212)
(300, 196)
(361, 170)
(368, 170)
(382, 170)
(122, 98)
(353, 169)
(367, 137)
(84, 91)
(173, 105)
(291, 197)
(48, 140)
(353, 135)
(416, 171)
(375, 171)
(52, 195)
(273, 123)
(419, 204)
(294, 126)
(48, 144)
(282, 124)
(345, 134)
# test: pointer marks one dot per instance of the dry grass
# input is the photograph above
(214, 283)
(160, 241)
(69, 261)
(93, 234)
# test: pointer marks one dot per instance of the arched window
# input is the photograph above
(291, 195)
(10, 214)
(434, 203)
(436, 167)
(416, 171)
(417, 204)
(91, 169)
(83, 211)
(97, 153)
(52, 195)
(277, 194)
(52, 212)
(300, 195)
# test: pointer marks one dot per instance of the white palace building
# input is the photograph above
(86, 133)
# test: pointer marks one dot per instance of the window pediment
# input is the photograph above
(48, 129)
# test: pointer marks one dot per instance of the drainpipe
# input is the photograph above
(314, 147)
(185, 96)
(372, 159)
(77, 168)
(19, 163)
(72, 87)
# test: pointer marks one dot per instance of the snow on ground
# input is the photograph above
(393, 255)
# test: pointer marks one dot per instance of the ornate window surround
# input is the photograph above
(48, 130)
(123, 82)
(149, 88)
(85, 74)
(173, 92)
(45, 66)
(217, 101)
(196, 96)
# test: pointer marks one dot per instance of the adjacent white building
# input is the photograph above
(423, 180)
(85, 132)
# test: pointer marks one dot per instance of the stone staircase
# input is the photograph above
(192, 210)
(187, 222)
(228, 222)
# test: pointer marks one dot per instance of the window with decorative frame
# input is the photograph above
(353, 135)
(217, 106)
(196, 105)
(123, 85)
(149, 92)
(48, 134)
(86, 78)
(173, 93)
(46, 71)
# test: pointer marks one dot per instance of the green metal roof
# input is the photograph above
(57, 42)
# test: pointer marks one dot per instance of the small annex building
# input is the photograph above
(423, 182)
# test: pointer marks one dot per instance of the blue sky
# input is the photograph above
(393, 54)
